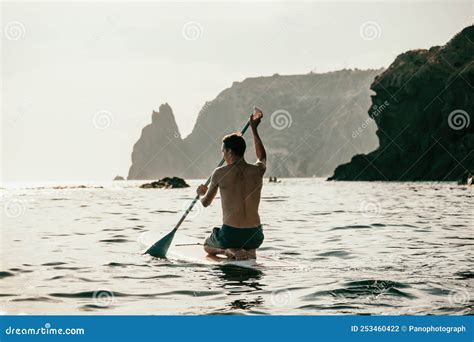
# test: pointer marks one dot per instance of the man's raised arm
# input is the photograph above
(259, 148)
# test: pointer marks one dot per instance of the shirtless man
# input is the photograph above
(240, 186)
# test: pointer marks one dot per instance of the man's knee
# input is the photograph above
(208, 249)
(212, 250)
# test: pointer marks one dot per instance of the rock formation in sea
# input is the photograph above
(166, 183)
(423, 109)
(158, 153)
(308, 127)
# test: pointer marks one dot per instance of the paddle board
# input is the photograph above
(195, 253)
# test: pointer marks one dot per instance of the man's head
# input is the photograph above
(233, 147)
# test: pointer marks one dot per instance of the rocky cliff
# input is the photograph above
(308, 127)
(158, 151)
(425, 103)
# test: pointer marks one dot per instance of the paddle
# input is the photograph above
(160, 247)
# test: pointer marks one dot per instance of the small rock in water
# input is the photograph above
(119, 178)
(167, 183)
(62, 187)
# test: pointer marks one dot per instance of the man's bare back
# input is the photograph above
(240, 186)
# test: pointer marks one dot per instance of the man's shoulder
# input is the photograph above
(220, 169)
(261, 164)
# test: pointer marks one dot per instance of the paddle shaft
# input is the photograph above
(207, 183)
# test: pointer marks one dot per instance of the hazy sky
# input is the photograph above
(80, 80)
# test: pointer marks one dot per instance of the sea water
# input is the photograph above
(345, 248)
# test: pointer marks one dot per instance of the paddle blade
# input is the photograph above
(160, 248)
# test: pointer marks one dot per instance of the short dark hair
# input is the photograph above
(235, 143)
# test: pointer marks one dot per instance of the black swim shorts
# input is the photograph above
(230, 237)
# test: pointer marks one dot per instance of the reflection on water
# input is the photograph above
(240, 276)
(238, 282)
(330, 248)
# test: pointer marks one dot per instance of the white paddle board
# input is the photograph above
(195, 253)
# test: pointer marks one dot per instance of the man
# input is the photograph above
(240, 186)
